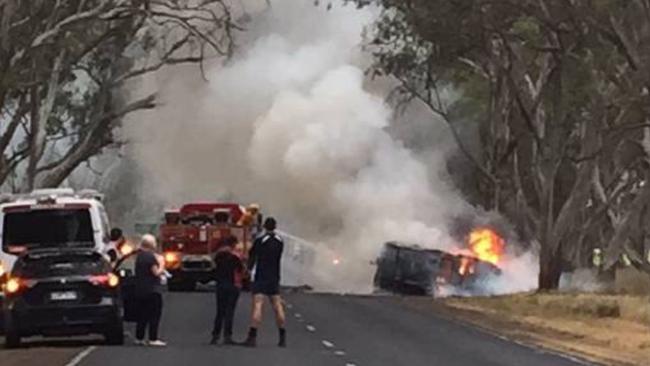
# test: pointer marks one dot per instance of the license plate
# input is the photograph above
(63, 296)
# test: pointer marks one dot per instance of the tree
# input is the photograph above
(559, 92)
(64, 66)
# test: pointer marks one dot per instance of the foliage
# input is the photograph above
(64, 65)
(562, 89)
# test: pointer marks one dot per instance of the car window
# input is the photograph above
(60, 265)
(48, 228)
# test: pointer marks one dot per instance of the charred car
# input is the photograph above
(412, 270)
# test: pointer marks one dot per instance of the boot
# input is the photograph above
(251, 340)
(227, 340)
(283, 338)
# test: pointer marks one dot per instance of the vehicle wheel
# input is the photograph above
(12, 336)
(115, 336)
(189, 286)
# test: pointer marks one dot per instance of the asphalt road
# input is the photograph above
(323, 330)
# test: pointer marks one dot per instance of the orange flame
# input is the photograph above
(486, 244)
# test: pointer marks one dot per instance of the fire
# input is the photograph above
(486, 244)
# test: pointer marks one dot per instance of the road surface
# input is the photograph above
(323, 330)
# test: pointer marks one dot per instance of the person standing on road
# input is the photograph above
(149, 269)
(228, 274)
(264, 258)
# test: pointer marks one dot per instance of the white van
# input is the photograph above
(51, 219)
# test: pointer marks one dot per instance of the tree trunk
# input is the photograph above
(550, 268)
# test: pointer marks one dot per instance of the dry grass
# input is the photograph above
(614, 329)
(610, 329)
(565, 305)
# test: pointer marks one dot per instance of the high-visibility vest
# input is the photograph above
(597, 259)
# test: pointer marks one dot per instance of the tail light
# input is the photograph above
(172, 260)
(13, 285)
(108, 280)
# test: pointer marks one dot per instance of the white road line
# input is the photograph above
(297, 315)
(328, 344)
(311, 328)
(350, 364)
(83, 354)
(340, 353)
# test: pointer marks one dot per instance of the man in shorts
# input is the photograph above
(265, 257)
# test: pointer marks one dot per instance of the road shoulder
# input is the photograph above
(600, 339)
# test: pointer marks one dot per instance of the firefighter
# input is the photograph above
(250, 215)
(265, 258)
(597, 258)
(228, 275)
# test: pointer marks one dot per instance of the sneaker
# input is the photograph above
(139, 342)
(214, 341)
(282, 343)
(157, 343)
(227, 341)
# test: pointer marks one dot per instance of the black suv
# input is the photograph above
(61, 293)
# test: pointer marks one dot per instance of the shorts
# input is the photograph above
(268, 288)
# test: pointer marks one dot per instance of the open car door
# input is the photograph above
(125, 269)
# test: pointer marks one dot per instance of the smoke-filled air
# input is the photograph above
(293, 122)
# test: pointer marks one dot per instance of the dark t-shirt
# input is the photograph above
(227, 266)
(145, 281)
(265, 256)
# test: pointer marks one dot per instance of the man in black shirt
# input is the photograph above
(265, 257)
(228, 274)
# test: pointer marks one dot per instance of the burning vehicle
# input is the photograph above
(412, 270)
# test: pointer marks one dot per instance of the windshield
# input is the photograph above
(61, 265)
(48, 228)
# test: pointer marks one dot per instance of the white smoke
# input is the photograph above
(291, 123)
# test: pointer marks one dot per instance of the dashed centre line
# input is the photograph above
(328, 344)
(83, 354)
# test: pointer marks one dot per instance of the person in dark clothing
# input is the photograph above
(149, 267)
(228, 273)
(265, 257)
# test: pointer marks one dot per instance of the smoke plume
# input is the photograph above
(291, 122)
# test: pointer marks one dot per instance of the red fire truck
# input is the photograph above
(191, 235)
